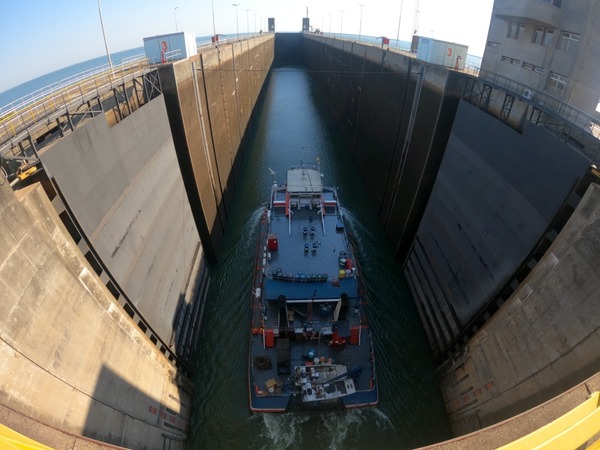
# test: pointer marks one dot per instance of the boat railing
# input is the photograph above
(322, 211)
(305, 166)
(299, 278)
(289, 221)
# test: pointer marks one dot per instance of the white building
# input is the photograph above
(549, 45)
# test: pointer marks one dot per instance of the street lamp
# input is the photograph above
(237, 26)
(104, 36)
(175, 12)
(399, 19)
(247, 22)
(360, 23)
(212, 3)
(342, 22)
(255, 23)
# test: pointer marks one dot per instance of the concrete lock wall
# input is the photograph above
(496, 193)
(396, 113)
(123, 186)
(210, 99)
(71, 357)
(543, 341)
(98, 334)
(402, 118)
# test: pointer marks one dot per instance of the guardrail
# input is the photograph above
(43, 103)
(545, 102)
(573, 429)
(65, 82)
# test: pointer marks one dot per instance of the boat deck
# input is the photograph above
(308, 281)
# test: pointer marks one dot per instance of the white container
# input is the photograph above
(170, 47)
(447, 54)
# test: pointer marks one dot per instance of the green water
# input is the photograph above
(290, 126)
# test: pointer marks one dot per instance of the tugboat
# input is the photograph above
(310, 344)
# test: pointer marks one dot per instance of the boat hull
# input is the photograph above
(309, 307)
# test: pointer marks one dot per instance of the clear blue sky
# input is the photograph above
(40, 36)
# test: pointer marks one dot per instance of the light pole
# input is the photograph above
(342, 21)
(212, 3)
(399, 19)
(237, 26)
(255, 23)
(247, 22)
(104, 36)
(175, 12)
(330, 23)
(360, 23)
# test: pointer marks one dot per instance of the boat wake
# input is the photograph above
(281, 430)
(335, 429)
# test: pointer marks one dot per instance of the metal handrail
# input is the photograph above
(65, 82)
(544, 101)
(45, 103)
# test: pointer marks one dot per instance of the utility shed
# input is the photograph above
(447, 54)
(170, 47)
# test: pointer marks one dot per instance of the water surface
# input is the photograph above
(291, 125)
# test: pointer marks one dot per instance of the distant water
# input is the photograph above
(290, 125)
(30, 86)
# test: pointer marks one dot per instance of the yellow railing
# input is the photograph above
(570, 431)
(10, 439)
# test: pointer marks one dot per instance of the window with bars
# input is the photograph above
(556, 83)
(568, 41)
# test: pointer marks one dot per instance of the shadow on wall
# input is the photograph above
(128, 414)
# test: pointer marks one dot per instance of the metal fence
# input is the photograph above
(73, 91)
(545, 102)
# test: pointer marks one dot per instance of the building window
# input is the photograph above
(548, 36)
(515, 30)
(556, 83)
(532, 67)
(538, 35)
(556, 3)
(543, 36)
(568, 41)
(493, 44)
(510, 60)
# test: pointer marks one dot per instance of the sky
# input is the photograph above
(41, 36)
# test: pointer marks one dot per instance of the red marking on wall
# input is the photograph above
(469, 397)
